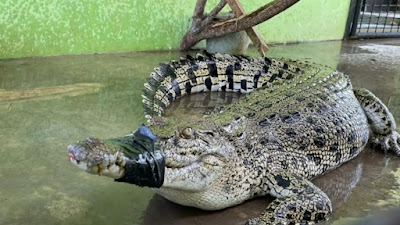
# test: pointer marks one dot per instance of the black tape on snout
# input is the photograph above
(147, 168)
(147, 171)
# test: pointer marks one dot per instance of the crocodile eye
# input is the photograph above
(187, 133)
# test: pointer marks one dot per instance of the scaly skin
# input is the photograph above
(304, 121)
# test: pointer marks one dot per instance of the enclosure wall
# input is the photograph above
(59, 27)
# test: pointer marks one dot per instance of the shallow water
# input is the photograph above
(48, 103)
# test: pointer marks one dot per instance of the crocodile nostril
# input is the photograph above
(71, 156)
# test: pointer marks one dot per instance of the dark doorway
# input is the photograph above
(374, 18)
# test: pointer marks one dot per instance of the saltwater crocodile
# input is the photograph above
(302, 121)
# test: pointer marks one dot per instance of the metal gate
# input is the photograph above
(374, 18)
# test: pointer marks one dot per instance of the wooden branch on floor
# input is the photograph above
(207, 28)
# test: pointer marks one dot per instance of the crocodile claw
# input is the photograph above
(390, 142)
(254, 221)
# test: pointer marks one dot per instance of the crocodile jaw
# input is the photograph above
(97, 162)
(194, 164)
(112, 170)
(196, 176)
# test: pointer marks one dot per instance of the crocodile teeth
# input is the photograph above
(99, 170)
(120, 159)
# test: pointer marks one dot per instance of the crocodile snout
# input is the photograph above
(77, 152)
(77, 156)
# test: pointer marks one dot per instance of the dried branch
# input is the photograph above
(209, 18)
(198, 13)
(237, 24)
(253, 34)
(199, 9)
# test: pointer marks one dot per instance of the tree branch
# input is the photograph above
(207, 20)
(253, 34)
(217, 9)
(199, 9)
(237, 24)
(198, 13)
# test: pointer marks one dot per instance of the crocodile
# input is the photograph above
(296, 121)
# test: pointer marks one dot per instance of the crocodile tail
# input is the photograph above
(208, 72)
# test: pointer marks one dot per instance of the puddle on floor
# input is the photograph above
(38, 185)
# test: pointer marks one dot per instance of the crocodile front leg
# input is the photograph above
(380, 120)
(298, 201)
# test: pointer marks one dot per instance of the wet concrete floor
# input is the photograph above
(48, 103)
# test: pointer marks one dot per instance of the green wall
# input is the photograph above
(59, 27)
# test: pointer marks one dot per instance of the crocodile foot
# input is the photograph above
(254, 221)
(259, 221)
(274, 221)
(390, 142)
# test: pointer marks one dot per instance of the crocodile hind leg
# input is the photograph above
(298, 201)
(380, 120)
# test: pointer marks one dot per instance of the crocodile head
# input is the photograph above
(193, 158)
